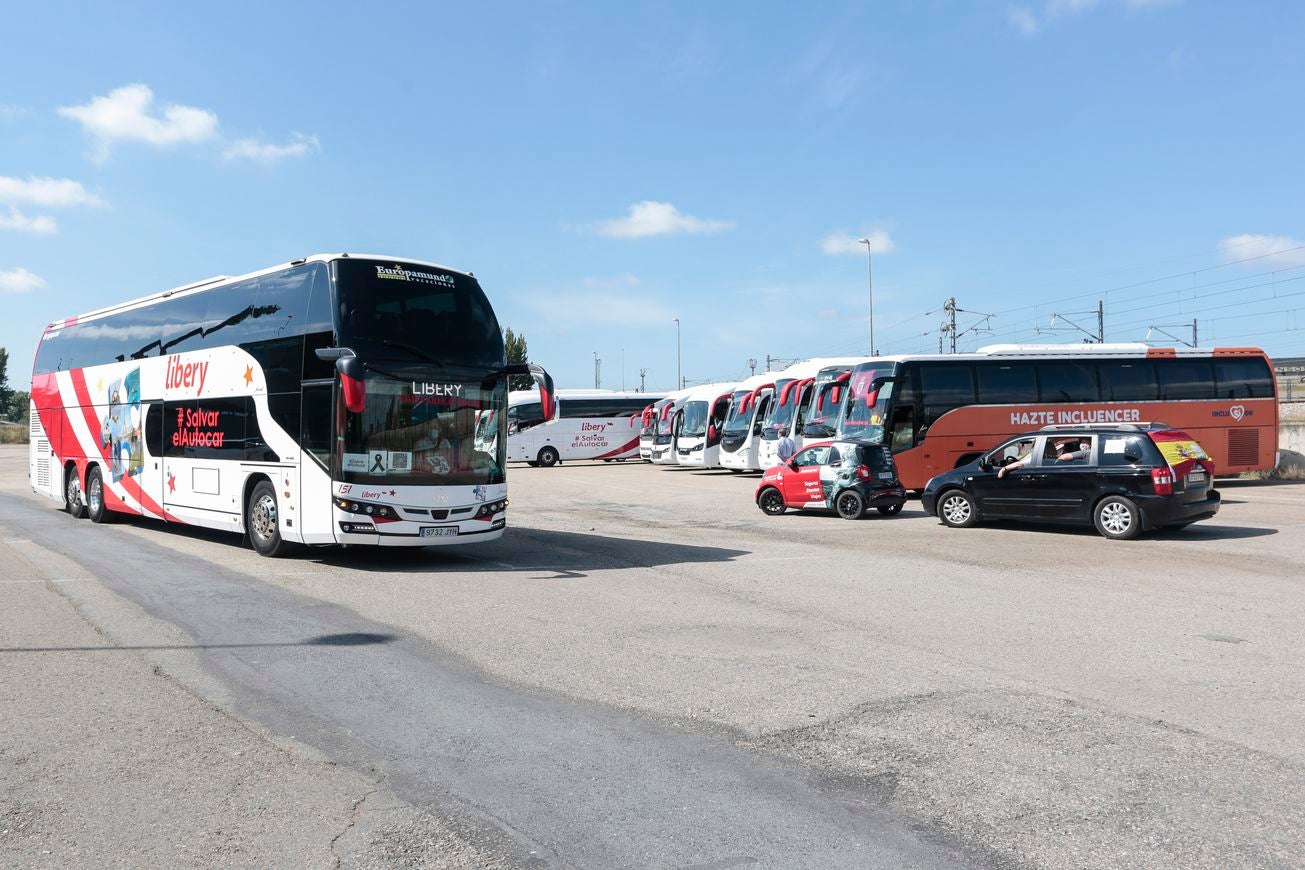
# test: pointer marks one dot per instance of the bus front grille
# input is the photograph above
(1243, 446)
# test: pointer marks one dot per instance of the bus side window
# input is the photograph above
(902, 429)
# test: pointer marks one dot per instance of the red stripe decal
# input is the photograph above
(129, 484)
(629, 445)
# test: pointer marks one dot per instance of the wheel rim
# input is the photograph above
(1116, 518)
(262, 517)
(771, 502)
(74, 494)
(956, 509)
(548, 457)
(848, 504)
(95, 493)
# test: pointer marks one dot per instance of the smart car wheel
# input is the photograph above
(770, 501)
(547, 457)
(849, 504)
(72, 495)
(1117, 518)
(956, 509)
(889, 510)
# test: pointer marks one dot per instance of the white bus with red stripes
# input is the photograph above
(590, 425)
(668, 429)
(702, 421)
(806, 401)
(331, 400)
(740, 444)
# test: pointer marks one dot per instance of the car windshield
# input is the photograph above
(695, 419)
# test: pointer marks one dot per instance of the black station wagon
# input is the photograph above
(1123, 479)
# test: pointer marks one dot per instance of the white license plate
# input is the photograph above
(885, 475)
(439, 531)
(1196, 477)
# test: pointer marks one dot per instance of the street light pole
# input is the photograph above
(870, 283)
(678, 375)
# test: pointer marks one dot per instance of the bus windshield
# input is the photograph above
(410, 312)
(781, 414)
(695, 419)
(867, 411)
(738, 419)
(419, 432)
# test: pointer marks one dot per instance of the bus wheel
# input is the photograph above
(95, 507)
(771, 501)
(261, 520)
(73, 502)
(850, 505)
(548, 457)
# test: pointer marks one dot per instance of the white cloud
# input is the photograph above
(127, 114)
(16, 220)
(47, 192)
(267, 152)
(1022, 19)
(1279, 250)
(1029, 21)
(19, 280)
(842, 243)
(649, 218)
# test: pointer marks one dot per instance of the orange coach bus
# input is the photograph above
(940, 411)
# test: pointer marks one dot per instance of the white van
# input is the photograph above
(591, 424)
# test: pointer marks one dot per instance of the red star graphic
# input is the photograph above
(172, 482)
(249, 375)
(394, 492)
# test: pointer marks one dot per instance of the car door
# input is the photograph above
(1012, 494)
(1064, 489)
(802, 481)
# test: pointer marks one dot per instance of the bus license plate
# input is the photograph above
(439, 531)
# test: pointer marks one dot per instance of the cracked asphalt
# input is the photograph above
(647, 672)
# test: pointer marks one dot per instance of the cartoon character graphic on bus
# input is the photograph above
(120, 429)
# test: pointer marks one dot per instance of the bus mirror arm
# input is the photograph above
(334, 354)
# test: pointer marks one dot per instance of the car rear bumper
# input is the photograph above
(1158, 511)
(877, 498)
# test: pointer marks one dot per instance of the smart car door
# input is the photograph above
(802, 479)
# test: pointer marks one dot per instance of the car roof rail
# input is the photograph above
(1127, 427)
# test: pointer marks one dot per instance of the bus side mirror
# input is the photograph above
(352, 380)
(547, 394)
(711, 432)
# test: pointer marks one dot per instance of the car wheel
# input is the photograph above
(849, 504)
(73, 502)
(548, 457)
(890, 510)
(96, 509)
(956, 509)
(1117, 518)
(261, 520)
(771, 501)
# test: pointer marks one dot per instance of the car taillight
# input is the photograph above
(863, 472)
(1163, 479)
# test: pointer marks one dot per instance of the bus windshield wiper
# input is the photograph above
(415, 351)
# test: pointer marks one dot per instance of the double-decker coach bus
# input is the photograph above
(940, 411)
(331, 400)
(591, 424)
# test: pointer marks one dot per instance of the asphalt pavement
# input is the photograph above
(648, 672)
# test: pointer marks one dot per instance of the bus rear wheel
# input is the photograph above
(95, 507)
(261, 520)
(73, 502)
(548, 457)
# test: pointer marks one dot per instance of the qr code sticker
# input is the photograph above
(400, 461)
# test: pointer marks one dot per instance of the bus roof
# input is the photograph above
(809, 368)
(222, 280)
(520, 396)
(707, 392)
(1092, 350)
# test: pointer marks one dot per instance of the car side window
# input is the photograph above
(1008, 453)
(1070, 450)
(833, 458)
(1119, 450)
(811, 456)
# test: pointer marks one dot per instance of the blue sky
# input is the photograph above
(606, 168)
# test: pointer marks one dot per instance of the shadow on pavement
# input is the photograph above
(352, 638)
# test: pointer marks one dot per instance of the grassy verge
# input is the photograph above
(13, 434)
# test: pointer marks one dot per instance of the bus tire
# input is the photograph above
(261, 520)
(849, 504)
(956, 509)
(96, 508)
(1117, 518)
(548, 457)
(73, 500)
(771, 501)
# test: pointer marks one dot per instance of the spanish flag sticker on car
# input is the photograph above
(1179, 450)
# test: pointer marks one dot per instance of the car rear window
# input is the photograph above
(877, 458)
(1179, 449)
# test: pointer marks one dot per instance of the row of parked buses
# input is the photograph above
(937, 412)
